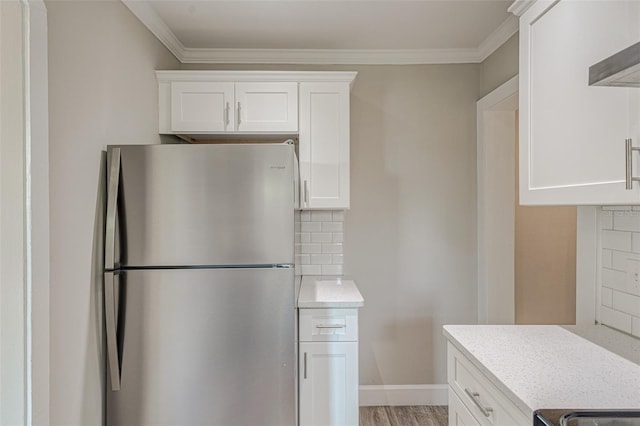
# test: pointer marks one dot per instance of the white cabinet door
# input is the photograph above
(572, 134)
(328, 383)
(267, 107)
(201, 107)
(324, 145)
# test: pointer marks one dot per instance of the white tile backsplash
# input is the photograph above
(635, 242)
(607, 297)
(616, 240)
(620, 252)
(607, 258)
(635, 326)
(321, 216)
(319, 239)
(615, 319)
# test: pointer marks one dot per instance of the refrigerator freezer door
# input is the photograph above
(205, 347)
(183, 205)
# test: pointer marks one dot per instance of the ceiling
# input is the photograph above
(328, 31)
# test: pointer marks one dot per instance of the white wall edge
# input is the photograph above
(503, 98)
(587, 265)
(376, 395)
(37, 211)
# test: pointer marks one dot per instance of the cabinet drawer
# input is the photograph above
(483, 400)
(328, 325)
(459, 415)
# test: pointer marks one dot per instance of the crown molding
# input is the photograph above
(330, 56)
(498, 37)
(186, 55)
(169, 76)
(148, 16)
(520, 6)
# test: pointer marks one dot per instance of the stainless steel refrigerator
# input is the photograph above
(199, 285)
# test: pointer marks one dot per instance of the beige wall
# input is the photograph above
(499, 67)
(545, 262)
(102, 90)
(410, 235)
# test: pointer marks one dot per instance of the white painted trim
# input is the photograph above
(331, 56)
(504, 98)
(37, 211)
(145, 12)
(148, 16)
(375, 395)
(233, 76)
(587, 265)
(498, 37)
(520, 6)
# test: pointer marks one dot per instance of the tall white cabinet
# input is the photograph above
(572, 135)
(324, 145)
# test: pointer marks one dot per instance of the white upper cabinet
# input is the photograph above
(201, 106)
(324, 145)
(267, 107)
(220, 107)
(572, 135)
(312, 105)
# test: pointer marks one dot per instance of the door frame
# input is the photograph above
(30, 319)
(496, 127)
(496, 298)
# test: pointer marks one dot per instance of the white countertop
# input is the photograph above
(329, 292)
(547, 366)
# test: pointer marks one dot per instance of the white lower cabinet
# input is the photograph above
(328, 383)
(328, 367)
(458, 413)
(474, 400)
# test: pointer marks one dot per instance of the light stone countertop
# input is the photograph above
(547, 366)
(329, 292)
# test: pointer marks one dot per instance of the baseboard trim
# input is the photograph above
(403, 395)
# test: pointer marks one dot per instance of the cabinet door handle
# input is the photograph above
(226, 114)
(330, 326)
(475, 397)
(628, 151)
(305, 365)
(306, 192)
(239, 112)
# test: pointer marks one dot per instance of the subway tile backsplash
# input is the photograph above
(319, 238)
(620, 261)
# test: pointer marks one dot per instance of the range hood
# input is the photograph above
(621, 69)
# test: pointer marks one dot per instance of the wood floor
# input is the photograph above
(422, 415)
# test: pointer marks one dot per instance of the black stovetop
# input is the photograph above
(566, 417)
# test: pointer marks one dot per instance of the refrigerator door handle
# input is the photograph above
(112, 209)
(110, 325)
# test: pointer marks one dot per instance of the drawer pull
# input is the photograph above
(476, 400)
(305, 365)
(330, 326)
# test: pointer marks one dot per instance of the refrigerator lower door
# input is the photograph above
(205, 347)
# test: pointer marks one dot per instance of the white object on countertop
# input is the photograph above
(545, 366)
(329, 292)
